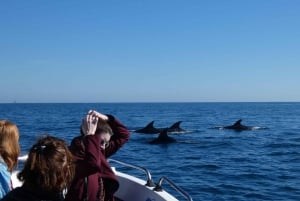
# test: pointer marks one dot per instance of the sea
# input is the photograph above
(207, 162)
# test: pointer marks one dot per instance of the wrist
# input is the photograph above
(104, 117)
(110, 117)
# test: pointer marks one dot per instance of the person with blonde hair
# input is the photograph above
(47, 172)
(9, 152)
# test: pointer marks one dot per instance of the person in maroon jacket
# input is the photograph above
(101, 136)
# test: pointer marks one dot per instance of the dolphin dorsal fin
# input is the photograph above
(176, 125)
(150, 125)
(238, 122)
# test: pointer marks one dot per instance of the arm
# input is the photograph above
(120, 137)
(121, 133)
(87, 152)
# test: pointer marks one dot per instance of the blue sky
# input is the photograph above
(149, 50)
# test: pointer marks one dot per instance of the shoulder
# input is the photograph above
(76, 142)
(14, 195)
(77, 147)
(3, 170)
(4, 180)
(20, 194)
(3, 165)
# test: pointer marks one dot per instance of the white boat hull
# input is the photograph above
(133, 188)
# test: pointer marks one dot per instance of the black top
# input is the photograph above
(24, 194)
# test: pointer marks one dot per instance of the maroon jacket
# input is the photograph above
(91, 163)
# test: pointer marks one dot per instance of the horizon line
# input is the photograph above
(131, 102)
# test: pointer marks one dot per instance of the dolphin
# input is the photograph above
(238, 126)
(175, 128)
(149, 129)
(163, 138)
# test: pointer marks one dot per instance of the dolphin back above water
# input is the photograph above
(149, 129)
(238, 126)
(163, 138)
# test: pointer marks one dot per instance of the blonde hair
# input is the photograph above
(49, 165)
(9, 144)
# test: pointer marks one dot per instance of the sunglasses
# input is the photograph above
(104, 143)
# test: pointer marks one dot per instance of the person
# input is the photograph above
(9, 152)
(47, 172)
(101, 136)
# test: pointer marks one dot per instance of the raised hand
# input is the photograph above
(89, 124)
(98, 114)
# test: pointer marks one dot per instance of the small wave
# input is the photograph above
(183, 132)
(232, 187)
(283, 153)
(282, 145)
(217, 127)
(254, 128)
(259, 128)
(288, 188)
(254, 176)
(285, 177)
(211, 189)
(255, 196)
(210, 167)
(188, 141)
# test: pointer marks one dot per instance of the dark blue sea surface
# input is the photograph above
(208, 163)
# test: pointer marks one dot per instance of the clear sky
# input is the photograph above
(149, 50)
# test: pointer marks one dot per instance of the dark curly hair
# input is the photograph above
(49, 165)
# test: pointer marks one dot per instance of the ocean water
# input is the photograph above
(208, 163)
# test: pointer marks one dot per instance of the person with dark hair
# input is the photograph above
(101, 136)
(9, 152)
(47, 172)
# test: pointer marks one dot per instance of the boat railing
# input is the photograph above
(158, 187)
(145, 170)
